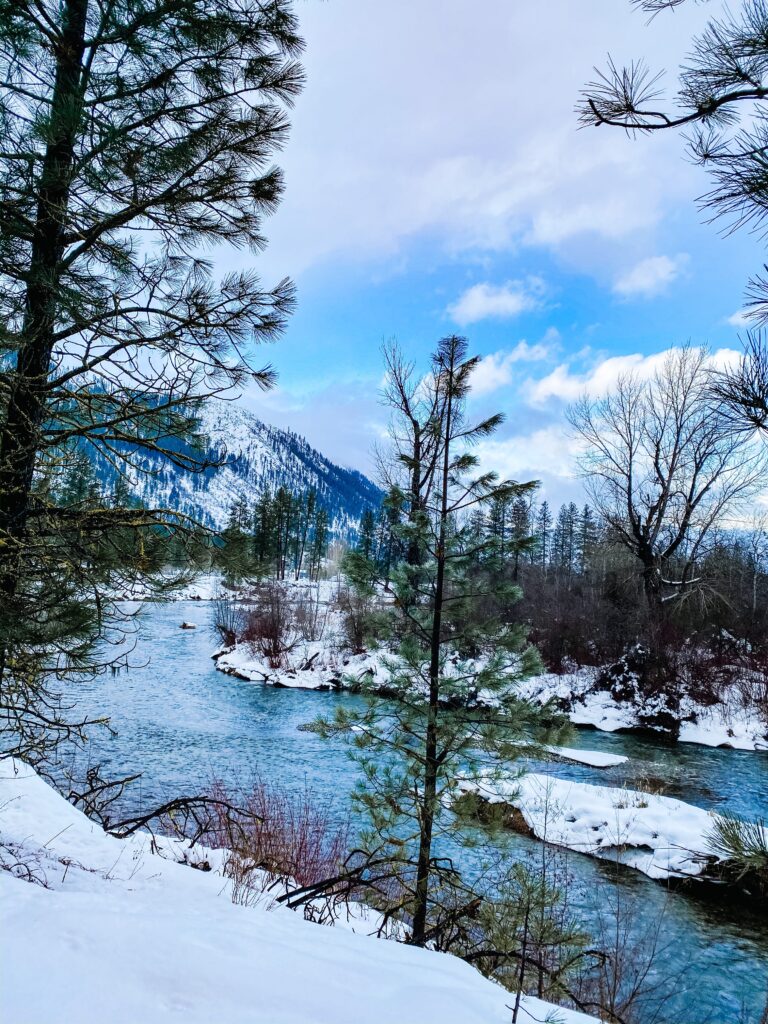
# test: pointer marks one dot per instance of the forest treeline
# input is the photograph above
(283, 535)
(580, 591)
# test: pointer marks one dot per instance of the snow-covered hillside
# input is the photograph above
(257, 457)
(125, 930)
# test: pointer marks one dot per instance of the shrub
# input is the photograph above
(310, 616)
(269, 625)
(228, 619)
(287, 835)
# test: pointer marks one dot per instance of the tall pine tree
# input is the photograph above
(135, 136)
(433, 731)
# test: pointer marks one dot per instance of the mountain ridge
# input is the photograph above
(255, 457)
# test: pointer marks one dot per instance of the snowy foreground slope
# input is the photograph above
(123, 930)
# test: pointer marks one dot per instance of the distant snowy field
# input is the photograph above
(125, 931)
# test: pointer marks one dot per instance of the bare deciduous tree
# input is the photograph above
(663, 467)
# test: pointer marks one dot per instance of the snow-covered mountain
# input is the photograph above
(257, 457)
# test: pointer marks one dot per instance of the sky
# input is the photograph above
(437, 182)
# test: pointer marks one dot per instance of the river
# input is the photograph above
(181, 723)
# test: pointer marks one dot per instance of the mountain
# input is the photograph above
(257, 457)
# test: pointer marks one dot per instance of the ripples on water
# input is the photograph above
(181, 723)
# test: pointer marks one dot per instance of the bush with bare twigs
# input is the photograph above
(310, 615)
(229, 618)
(281, 835)
(269, 625)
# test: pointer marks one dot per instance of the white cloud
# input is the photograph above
(650, 276)
(411, 135)
(523, 456)
(496, 370)
(566, 385)
(500, 302)
(739, 319)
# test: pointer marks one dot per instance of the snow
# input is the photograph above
(124, 930)
(328, 667)
(204, 587)
(721, 727)
(592, 758)
(257, 457)
(658, 835)
(727, 724)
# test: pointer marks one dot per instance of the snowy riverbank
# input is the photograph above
(324, 665)
(725, 724)
(658, 835)
(321, 659)
(95, 927)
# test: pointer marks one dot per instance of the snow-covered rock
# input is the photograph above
(125, 931)
(591, 758)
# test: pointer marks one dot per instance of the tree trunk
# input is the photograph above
(431, 760)
(20, 438)
(413, 556)
(652, 585)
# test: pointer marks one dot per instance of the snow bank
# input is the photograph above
(660, 836)
(592, 758)
(313, 665)
(724, 725)
(326, 661)
(125, 931)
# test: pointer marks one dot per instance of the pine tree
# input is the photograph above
(543, 533)
(319, 543)
(521, 531)
(499, 511)
(284, 511)
(415, 404)
(390, 518)
(564, 542)
(718, 108)
(235, 553)
(366, 540)
(432, 732)
(136, 136)
(264, 532)
(307, 516)
(587, 539)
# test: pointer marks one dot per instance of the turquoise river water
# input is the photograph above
(180, 722)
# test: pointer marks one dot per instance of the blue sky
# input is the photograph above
(437, 182)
